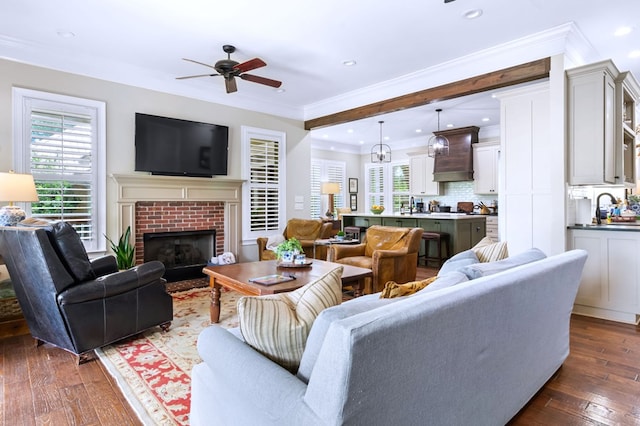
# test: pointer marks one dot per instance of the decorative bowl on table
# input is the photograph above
(377, 209)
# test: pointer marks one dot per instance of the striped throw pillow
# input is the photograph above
(277, 325)
(487, 250)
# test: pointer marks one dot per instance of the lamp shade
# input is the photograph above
(17, 187)
(330, 188)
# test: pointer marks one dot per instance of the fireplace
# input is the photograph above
(183, 253)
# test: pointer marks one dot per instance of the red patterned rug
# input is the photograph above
(154, 369)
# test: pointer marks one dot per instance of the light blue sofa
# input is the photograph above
(472, 353)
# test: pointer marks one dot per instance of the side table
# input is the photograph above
(330, 241)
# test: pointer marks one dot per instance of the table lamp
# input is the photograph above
(15, 187)
(330, 188)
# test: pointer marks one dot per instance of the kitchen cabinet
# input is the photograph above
(492, 228)
(402, 222)
(485, 168)
(601, 113)
(421, 176)
(627, 94)
(609, 287)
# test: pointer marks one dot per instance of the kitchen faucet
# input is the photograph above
(613, 201)
(411, 205)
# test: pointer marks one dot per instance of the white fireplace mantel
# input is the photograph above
(132, 188)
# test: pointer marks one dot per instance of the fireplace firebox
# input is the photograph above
(183, 253)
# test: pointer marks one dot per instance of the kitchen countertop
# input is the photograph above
(452, 216)
(620, 226)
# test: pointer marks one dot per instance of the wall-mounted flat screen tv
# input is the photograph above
(169, 146)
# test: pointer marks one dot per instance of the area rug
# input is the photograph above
(153, 370)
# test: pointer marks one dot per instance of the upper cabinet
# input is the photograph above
(598, 94)
(627, 95)
(485, 168)
(421, 175)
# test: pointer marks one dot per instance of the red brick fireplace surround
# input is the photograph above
(178, 216)
(168, 203)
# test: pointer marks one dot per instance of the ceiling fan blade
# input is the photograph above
(199, 63)
(251, 64)
(230, 83)
(195, 76)
(261, 80)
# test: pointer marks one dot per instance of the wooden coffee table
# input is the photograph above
(236, 277)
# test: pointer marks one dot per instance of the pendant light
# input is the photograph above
(438, 145)
(380, 153)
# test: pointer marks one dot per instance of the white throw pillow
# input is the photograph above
(488, 250)
(278, 325)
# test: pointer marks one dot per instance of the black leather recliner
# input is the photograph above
(75, 303)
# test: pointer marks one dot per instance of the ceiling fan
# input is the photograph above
(230, 69)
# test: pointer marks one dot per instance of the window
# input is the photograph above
(264, 191)
(386, 182)
(326, 171)
(60, 140)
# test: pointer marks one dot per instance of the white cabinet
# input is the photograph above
(492, 228)
(485, 168)
(609, 287)
(591, 109)
(421, 176)
(601, 119)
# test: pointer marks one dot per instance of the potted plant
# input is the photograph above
(340, 235)
(286, 250)
(124, 251)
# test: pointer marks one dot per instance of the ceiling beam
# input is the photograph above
(523, 73)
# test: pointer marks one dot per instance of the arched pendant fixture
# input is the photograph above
(438, 145)
(380, 153)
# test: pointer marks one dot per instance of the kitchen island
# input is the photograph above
(464, 230)
(610, 284)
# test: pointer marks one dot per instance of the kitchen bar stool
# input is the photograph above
(439, 238)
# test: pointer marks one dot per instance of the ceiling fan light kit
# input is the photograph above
(438, 145)
(380, 153)
(230, 69)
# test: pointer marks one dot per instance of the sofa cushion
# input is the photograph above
(324, 320)
(278, 325)
(393, 289)
(458, 261)
(488, 250)
(68, 245)
(489, 268)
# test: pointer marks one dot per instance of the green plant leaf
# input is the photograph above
(123, 251)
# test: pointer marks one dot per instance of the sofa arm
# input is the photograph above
(104, 265)
(113, 284)
(339, 251)
(259, 390)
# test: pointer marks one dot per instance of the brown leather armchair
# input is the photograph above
(304, 230)
(79, 304)
(390, 252)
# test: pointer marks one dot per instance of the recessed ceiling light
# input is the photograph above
(418, 130)
(450, 125)
(325, 136)
(386, 138)
(472, 14)
(361, 142)
(280, 90)
(350, 131)
(349, 62)
(634, 54)
(486, 119)
(622, 31)
(65, 34)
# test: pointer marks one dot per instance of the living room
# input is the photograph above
(124, 98)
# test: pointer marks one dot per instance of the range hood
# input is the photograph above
(458, 165)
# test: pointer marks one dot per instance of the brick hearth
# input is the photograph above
(175, 216)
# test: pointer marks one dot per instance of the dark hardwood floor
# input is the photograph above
(599, 384)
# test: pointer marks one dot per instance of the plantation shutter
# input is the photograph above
(315, 201)
(375, 184)
(336, 173)
(62, 164)
(400, 187)
(264, 176)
